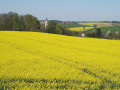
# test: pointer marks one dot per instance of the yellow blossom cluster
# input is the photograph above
(99, 24)
(35, 61)
(93, 23)
(80, 28)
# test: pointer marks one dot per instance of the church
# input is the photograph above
(43, 25)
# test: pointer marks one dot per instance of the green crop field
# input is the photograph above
(106, 29)
(111, 28)
(72, 25)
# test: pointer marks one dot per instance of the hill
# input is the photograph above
(89, 26)
(32, 60)
(72, 24)
(112, 29)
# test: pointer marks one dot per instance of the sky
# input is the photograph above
(65, 10)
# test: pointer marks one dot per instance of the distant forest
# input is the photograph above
(14, 22)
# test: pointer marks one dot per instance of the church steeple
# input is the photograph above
(46, 23)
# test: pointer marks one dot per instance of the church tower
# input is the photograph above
(46, 24)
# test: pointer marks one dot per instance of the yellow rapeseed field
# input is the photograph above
(41, 61)
(100, 24)
(80, 28)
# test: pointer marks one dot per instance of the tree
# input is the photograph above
(1, 21)
(6, 21)
(28, 22)
(36, 24)
(12, 21)
(22, 23)
(31, 23)
(51, 27)
(9, 20)
(59, 29)
(15, 22)
(99, 32)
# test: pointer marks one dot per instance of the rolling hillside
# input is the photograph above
(112, 29)
(89, 26)
(32, 61)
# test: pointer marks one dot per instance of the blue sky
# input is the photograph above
(73, 10)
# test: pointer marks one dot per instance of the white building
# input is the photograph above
(46, 23)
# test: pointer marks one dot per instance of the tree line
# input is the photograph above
(57, 28)
(14, 22)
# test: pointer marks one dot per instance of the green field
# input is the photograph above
(72, 25)
(112, 29)
(106, 29)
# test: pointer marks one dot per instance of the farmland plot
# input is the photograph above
(32, 60)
